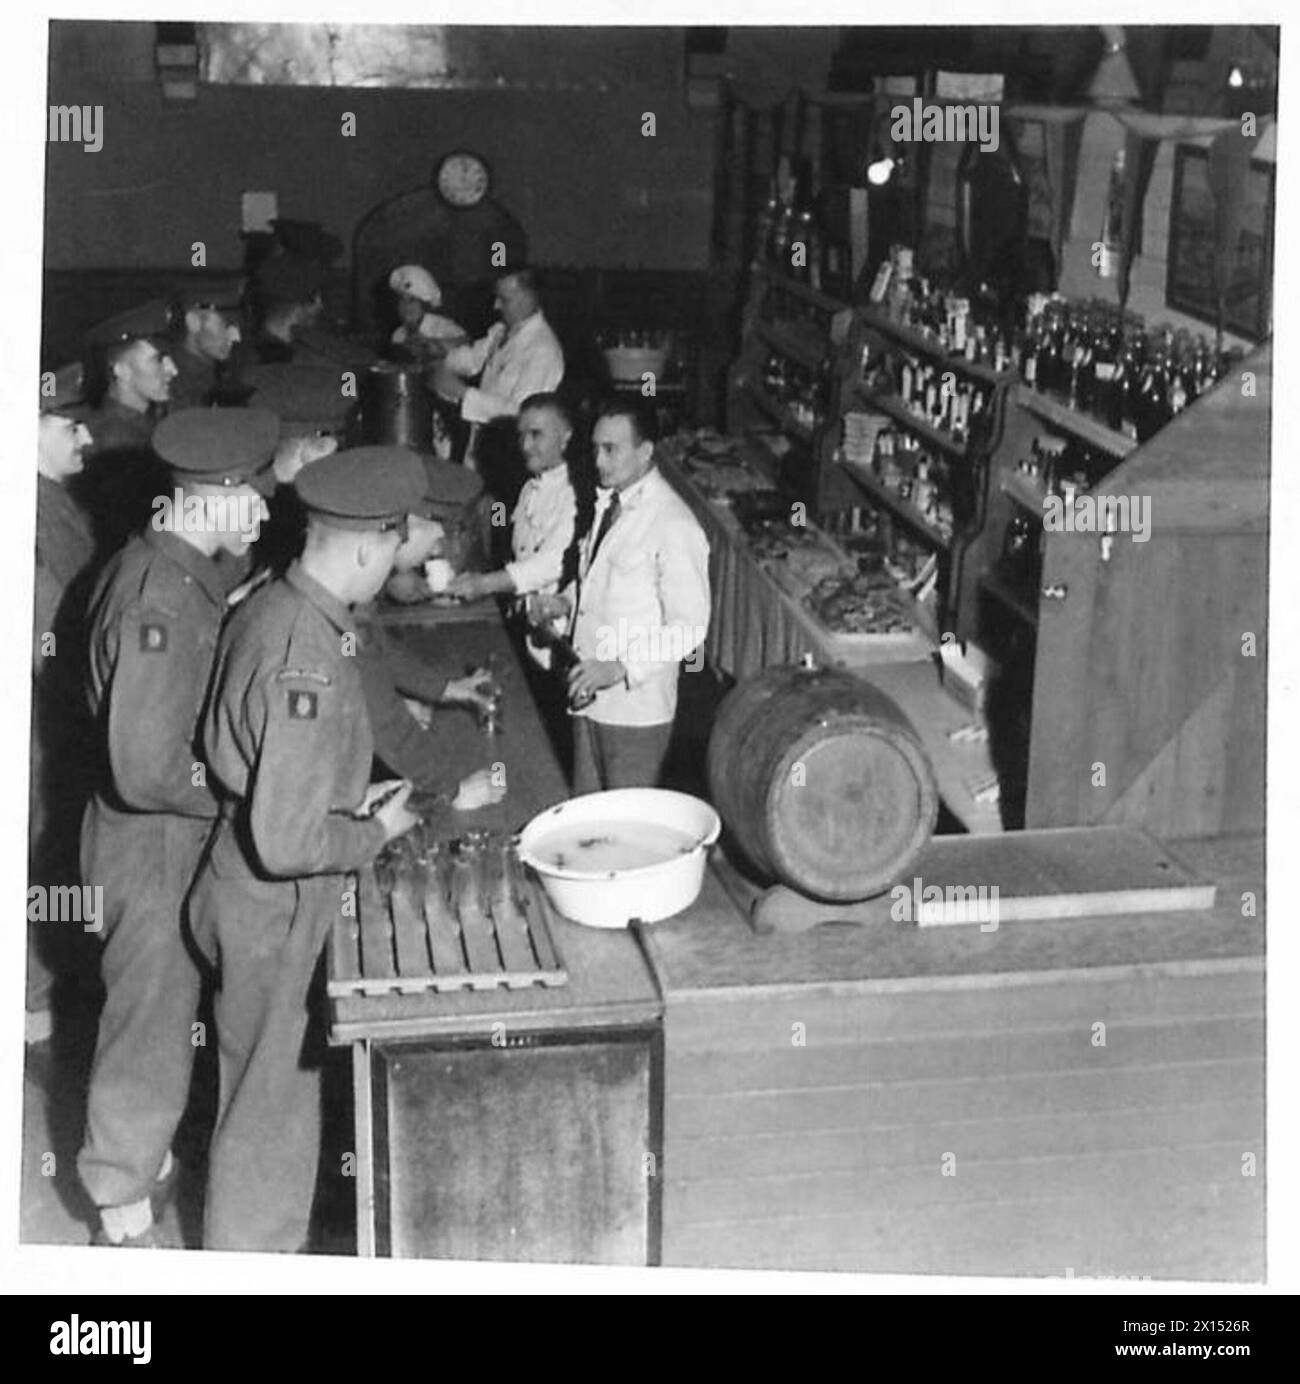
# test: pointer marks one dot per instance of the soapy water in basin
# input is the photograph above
(600, 847)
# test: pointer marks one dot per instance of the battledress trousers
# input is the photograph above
(289, 742)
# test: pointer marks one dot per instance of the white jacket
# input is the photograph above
(544, 520)
(643, 599)
(510, 365)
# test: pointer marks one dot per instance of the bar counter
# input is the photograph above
(1075, 1097)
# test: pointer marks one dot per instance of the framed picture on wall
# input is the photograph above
(1189, 286)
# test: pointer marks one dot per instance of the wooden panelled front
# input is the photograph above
(1152, 661)
(975, 1126)
(537, 1150)
(1141, 670)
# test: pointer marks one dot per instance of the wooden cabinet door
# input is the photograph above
(543, 1149)
(1060, 782)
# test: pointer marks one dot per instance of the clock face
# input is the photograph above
(463, 179)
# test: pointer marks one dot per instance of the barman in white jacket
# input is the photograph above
(519, 356)
(544, 518)
(638, 609)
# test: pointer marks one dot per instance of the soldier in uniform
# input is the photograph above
(286, 301)
(209, 332)
(289, 743)
(154, 618)
(65, 551)
(128, 384)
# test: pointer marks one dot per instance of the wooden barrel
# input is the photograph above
(821, 781)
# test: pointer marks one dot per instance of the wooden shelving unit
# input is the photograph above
(777, 412)
(903, 509)
(874, 338)
(922, 344)
(1084, 426)
(1089, 673)
(806, 330)
(1125, 689)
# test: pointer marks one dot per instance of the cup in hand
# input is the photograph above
(438, 572)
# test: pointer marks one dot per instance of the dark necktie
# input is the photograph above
(606, 523)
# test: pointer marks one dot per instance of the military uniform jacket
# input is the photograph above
(288, 738)
(123, 474)
(65, 550)
(154, 618)
(195, 381)
(62, 740)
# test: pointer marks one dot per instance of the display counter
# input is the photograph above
(757, 623)
(1075, 1097)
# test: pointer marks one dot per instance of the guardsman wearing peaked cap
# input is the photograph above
(232, 449)
(286, 300)
(290, 749)
(154, 619)
(107, 342)
(206, 331)
(128, 382)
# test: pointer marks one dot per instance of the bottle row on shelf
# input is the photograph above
(957, 320)
(1109, 364)
(903, 467)
(937, 397)
(790, 238)
(634, 339)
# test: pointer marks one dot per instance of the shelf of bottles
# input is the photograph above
(791, 394)
(790, 239)
(796, 330)
(942, 407)
(928, 315)
(1104, 373)
(897, 470)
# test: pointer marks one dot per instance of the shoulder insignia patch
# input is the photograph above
(153, 638)
(302, 706)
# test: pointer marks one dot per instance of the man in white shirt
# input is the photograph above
(519, 356)
(639, 607)
(545, 515)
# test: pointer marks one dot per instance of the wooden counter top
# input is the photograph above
(608, 979)
(712, 948)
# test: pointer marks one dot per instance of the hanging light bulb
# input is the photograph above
(879, 172)
(1236, 78)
